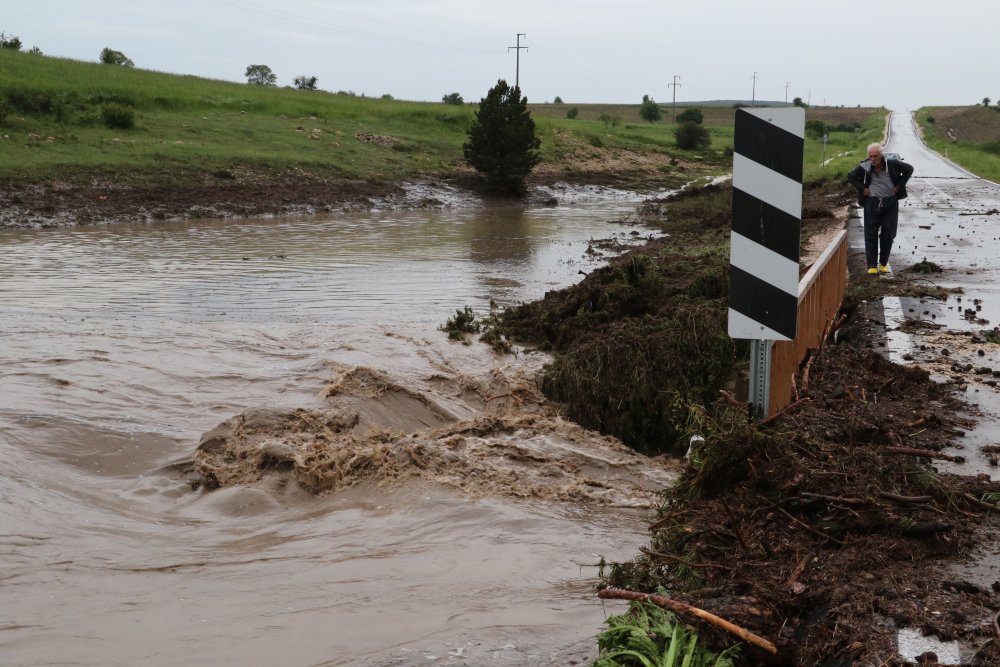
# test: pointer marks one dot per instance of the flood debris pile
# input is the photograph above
(818, 533)
(490, 436)
(825, 529)
(640, 337)
(637, 341)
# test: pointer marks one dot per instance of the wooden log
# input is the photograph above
(685, 608)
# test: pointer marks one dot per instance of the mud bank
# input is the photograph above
(246, 193)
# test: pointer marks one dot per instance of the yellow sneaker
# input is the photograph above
(882, 268)
(872, 271)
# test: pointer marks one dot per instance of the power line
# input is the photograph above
(517, 74)
(673, 108)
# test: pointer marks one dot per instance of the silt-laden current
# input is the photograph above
(122, 345)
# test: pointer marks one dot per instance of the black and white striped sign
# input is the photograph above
(767, 214)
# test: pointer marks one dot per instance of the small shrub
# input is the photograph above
(595, 141)
(304, 82)
(572, 113)
(32, 101)
(11, 42)
(112, 57)
(649, 111)
(610, 119)
(930, 120)
(691, 115)
(4, 111)
(453, 98)
(118, 116)
(815, 129)
(692, 136)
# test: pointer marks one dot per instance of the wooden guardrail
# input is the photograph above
(821, 291)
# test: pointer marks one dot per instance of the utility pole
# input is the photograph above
(809, 98)
(517, 75)
(786, 93)
(673, 107)
(753, 98)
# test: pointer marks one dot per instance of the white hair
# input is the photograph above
(875, 145)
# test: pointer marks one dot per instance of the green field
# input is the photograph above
(968, 136)
(185, 127)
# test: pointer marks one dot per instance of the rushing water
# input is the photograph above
(122, 345)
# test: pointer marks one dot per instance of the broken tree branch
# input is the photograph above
(905, 500)
(980, 503)
(782, 412)
(810, 528)
(927, 454)
(684, 608)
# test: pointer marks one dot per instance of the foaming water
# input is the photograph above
(122, 345)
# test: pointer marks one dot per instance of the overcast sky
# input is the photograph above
(902, 55)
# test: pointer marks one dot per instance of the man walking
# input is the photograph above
(881, 183)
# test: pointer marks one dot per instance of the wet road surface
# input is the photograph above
(951, 218)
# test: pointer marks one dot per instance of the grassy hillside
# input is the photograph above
(969, 136)
(191, 130)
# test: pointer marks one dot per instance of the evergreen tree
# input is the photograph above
(502, 144)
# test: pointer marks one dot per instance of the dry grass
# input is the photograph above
(970, 125)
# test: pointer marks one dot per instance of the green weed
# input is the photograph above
(649, 636)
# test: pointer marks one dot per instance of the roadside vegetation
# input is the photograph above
(968, 136)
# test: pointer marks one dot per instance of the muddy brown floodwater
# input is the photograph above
(122, 345)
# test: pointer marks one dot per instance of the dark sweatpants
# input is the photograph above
(881, 215)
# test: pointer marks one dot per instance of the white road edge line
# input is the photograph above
(899, 344)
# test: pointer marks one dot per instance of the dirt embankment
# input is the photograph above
(230, 194)
(249, 192)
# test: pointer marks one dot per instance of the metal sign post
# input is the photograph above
(760, 376)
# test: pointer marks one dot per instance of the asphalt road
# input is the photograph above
(951, 218)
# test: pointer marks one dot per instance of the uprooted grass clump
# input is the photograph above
(466, 322)
(925, 267)
(813, 528)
